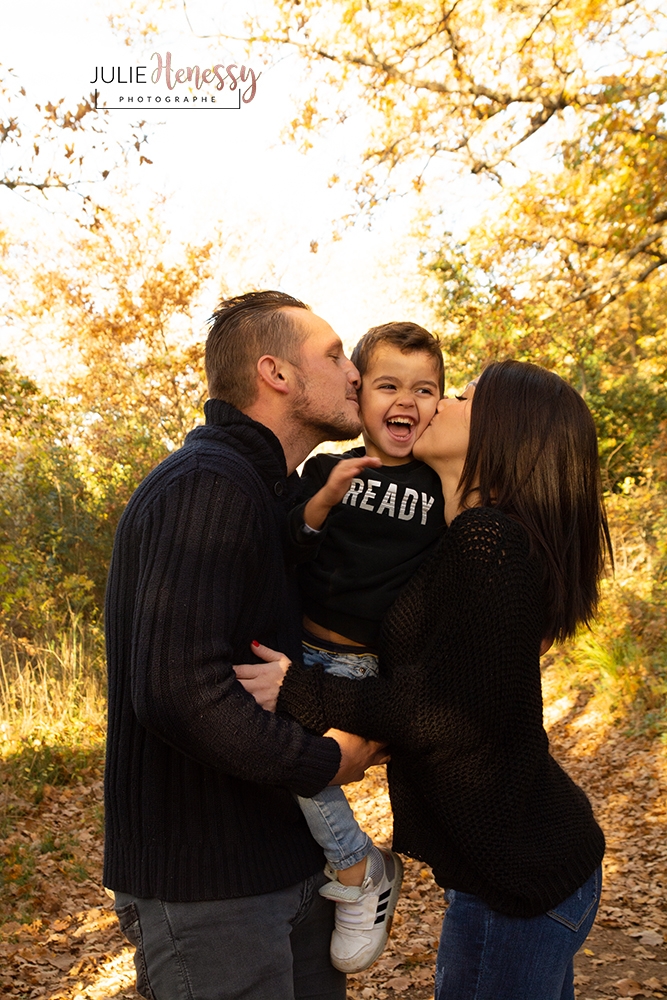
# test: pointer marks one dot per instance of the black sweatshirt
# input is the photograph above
(474, 790)
(373, 543)
(199, 778)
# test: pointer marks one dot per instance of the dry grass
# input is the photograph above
(52, 691)
(52, 713)
(622, 661)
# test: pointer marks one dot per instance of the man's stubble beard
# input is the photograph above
(327, 425)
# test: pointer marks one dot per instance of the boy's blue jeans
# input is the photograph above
(328, 814)
(485, 955)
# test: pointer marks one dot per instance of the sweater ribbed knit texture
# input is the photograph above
(198, 778)
(474, 789)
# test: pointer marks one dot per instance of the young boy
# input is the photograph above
(380, 512)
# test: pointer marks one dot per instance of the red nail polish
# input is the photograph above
(254, 642)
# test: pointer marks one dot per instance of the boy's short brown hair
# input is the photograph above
(408, 338)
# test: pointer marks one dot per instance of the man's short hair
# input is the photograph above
(407, 337)
(241, 330)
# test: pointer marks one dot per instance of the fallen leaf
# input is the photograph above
(398, 983)
(62, 962)
(388, 963)
(651, 938)
(628, 988)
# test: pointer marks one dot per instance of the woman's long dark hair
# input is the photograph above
(533, 454)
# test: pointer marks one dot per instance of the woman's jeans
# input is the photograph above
(328, 814)
(485, 955)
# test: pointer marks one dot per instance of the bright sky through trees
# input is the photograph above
(228, 168)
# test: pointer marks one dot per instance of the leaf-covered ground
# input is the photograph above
(59, 939)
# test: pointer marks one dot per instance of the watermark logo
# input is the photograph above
(168, 84)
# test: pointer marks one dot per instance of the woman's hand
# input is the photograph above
(263, 680)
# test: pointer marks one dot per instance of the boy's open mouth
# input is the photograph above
(400, 428)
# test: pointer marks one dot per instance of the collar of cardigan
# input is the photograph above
(253, 440)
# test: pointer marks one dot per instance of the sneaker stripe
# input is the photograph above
(382, 907)
(380, 918)
(384, 895)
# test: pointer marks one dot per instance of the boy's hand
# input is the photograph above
(335, 488)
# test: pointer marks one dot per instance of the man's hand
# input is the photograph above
(356, 755)
(263, 680)
(335, 488)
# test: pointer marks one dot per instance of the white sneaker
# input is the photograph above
(364, 915)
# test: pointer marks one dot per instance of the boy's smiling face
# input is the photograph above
(398, 396)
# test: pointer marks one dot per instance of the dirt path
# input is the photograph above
(71, 948)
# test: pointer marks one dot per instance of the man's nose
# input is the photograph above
(353, 375)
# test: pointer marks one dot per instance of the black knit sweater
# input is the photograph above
(474, 789)
(199, 778)
(372, 544)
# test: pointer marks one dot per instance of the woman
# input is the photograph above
(474, 790)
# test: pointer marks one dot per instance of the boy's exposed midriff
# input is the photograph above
(328, 634)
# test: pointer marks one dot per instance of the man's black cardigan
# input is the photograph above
(199, 779)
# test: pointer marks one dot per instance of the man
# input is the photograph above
(214, 871)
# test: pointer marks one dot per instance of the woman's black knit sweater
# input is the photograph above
(474, 789)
